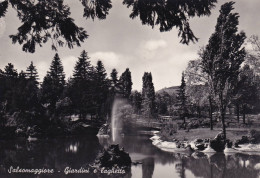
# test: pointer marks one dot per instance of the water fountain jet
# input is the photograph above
(116, 122)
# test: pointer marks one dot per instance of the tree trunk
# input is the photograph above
(222, 108)
(223, 122)
(210, 113)
(230, 110)
(199, 111)
(237, 106)
(244, 114)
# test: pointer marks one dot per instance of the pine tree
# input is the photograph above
(81, 91)
(100, 73)
(18, 94)
(46, 90)
(148, 95)
(126, 83)
(31, 90)
(53, 83)
(9, 79)
(31, 72)
(10, 72)
(27, 93)
(101, 89)
(182, 99)
(56, 71)
(83, 67)
(223, 57)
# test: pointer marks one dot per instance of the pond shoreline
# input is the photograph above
(190, 147)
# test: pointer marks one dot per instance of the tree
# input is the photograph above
(161, 105)
(136, 98)
(168, 14)
(196, 101)
(2, 90)
(46, 90)
(97, 8)
(31, 73)
(254, 40)
(19, 93)
(253, 60)
(39, 24)
(246, 91)
(3, 8)
(114, 83)
(31, 89)
(223, 57)
(56, 71)
(148, 95)
(182, 99)
(126, 83)
(9, 79)
(101, 88)
(10, 72)
(114, 77)
(46, 20)
(81, 91)
(26, 96)
(83, 67)
(114, 88)
(53, 83)
(197, 83)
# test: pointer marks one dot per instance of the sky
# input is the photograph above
(121, 42)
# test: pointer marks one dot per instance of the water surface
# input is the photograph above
(77, 152)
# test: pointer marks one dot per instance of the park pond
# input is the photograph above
(61, 154)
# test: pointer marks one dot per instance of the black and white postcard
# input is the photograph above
(129, 88)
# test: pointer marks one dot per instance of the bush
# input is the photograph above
(113, 156)
(168, 130)
(218, 143)
(254, 136)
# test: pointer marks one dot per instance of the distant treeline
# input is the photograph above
(89, 93)
(88, 96)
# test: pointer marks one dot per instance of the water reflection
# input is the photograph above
(184, 165)
(219, 165)
(73, 148)
(53, 153)
(148, 167)
(180, 168)
(78, 152)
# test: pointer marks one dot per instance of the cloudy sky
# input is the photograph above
(121, 42)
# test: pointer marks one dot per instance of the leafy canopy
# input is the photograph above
(48, 20)
(170, 13)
